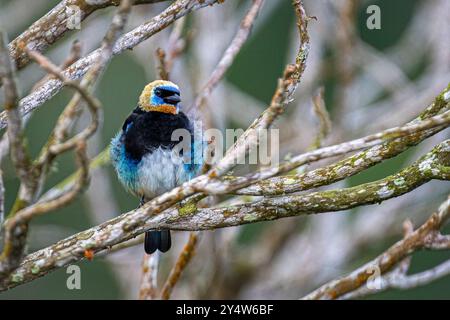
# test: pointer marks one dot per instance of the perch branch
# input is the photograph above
(219, 187)
(285, 89)
(188, 217)
(321, 176)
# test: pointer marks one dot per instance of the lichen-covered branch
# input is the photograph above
(371, 193)
(53, 25)
(324, 175)
(354, 164)
(12, 254)
(419, 239)
(18, 150)
(219, 187)
(128, 41)
(16, 226)
(188, 217)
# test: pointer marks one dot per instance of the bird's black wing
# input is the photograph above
(131, 119)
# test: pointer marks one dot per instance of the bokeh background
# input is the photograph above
(373, 79)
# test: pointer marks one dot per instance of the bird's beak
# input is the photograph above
(173, 99)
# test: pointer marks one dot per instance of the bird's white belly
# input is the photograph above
(159, 172)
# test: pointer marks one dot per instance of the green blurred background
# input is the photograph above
(266, 50)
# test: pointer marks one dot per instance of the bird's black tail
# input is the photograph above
(157, 240)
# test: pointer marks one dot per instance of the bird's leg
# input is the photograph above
(142, 201)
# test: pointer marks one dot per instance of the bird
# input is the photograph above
(143, 151)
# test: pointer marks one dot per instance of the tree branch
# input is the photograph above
(16, 227)
(388, 260)
(54, 24)
(188, 217)
(353, 164)
(320, 176)
(149, 279)
(229, 55)
(183, 259)
(19, 153)
(126, 42)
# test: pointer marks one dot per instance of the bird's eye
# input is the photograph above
(158, 92)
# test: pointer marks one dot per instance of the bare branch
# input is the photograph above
(16, 226)
(188, 217)
(321, 112)
(183, 259)
(59, 18)
(2, 201)
(65, 198)
(353, 164)
(19, 153)
(128, 41)
(220, 187)
(149, 281)
(74, 55)
(421, 278)
(229, 55)
(388, 260)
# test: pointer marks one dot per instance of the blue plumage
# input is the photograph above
(143, 152)
(125, 166)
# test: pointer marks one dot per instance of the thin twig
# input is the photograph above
(19, 153)
(74, 55)
(176, 43)
(16, 227)
(353, 164)
(322, 115)
(388, 260)
(229, 55)
(128, 41)
(149, 279)
(2, 201)
(62, 18)
(183, 259)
